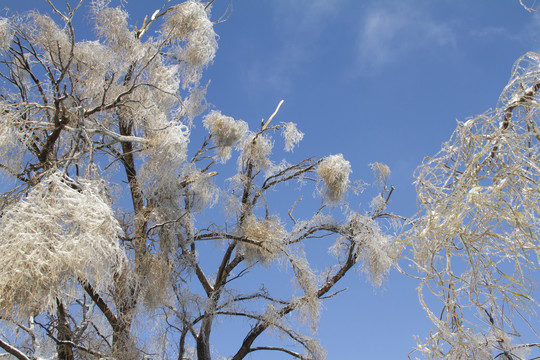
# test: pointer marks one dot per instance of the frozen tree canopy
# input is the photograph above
(45, 242)
(109, 198)
(476, 244)
(134, 216)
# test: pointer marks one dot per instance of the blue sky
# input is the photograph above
(381, 81)
(375, 80)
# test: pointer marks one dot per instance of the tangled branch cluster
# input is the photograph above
(476, 244)
(60, 234)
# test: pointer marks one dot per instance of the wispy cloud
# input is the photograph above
(388, 33)
(520, 32)
(300, 24)
(532, 29)
(490, 32)
(305, 15)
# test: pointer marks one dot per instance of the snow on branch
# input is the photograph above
(476, 240)
(59, 234)
(334, 170)
(6, 34)
(225, 131)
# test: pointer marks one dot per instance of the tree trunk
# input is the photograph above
(65, 351)
(203, 348)
(126, 303)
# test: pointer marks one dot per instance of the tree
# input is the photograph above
(109, 213)
(475, 244)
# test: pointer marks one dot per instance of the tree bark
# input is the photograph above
(65, 351)
(203, 347)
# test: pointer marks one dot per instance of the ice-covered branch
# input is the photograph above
(13, 351)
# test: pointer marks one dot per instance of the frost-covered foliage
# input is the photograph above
(226, 132)
(264, 239)
(373, 246)
(167, 152)
(188, 26)
(335, 171)
(112, 26)
(62, 232)
(292, 135)
(110, 216)
(476, 243)
(6, 34)
(256, 150)
(381, 172)
(11, 135)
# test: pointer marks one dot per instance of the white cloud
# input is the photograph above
(300, 24)
(522, 32)
(387, 30)
(305, 15)
(388, 33)
(489, 32)
(532, 29)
